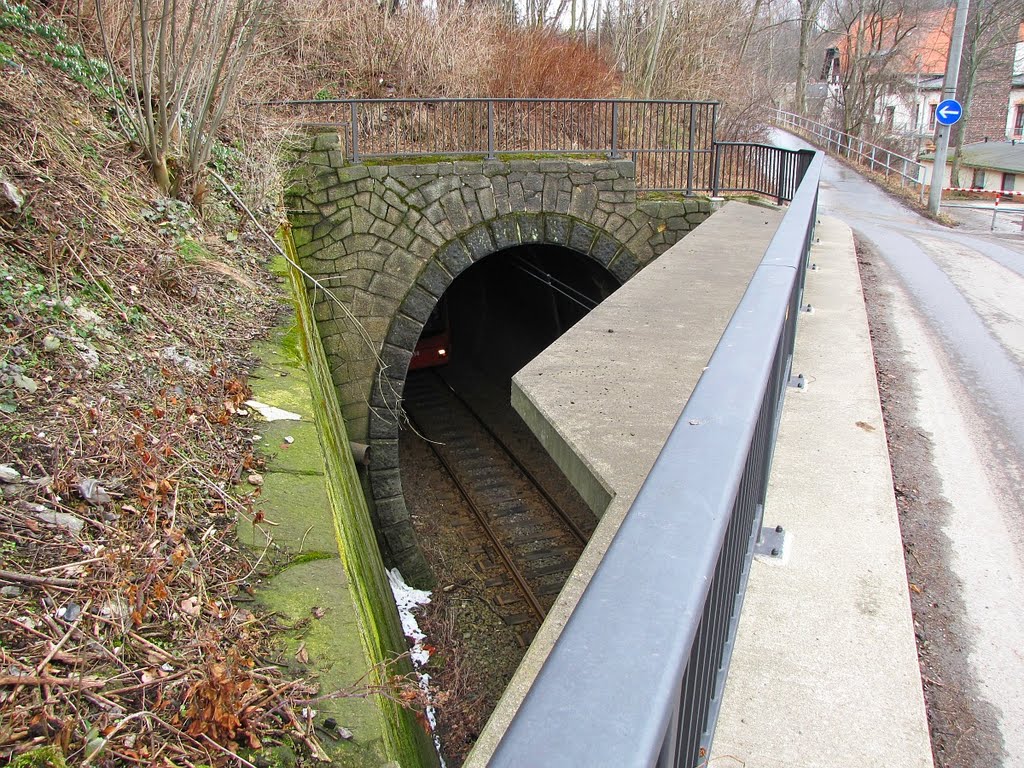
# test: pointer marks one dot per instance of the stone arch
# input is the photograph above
(449, 261)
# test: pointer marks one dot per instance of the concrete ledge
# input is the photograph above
(825, 669)
(604, 397)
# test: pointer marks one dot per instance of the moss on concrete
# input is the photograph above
(379, 629)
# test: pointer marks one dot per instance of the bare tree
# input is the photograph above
(809, 11)
(180, 63)
(874, 36)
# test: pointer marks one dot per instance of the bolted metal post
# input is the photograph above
(780, 176)
(614, 154)
(354, 120)
(716, 180)
(490, 129)
(689, 155)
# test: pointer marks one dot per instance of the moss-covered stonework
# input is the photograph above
(320, 542)
(387, 240)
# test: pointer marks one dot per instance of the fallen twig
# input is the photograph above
(48, 581)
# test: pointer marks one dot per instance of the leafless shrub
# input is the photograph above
(181, 63)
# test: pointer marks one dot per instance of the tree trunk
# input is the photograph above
(801, 63)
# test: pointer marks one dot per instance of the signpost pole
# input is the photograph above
(956, 47)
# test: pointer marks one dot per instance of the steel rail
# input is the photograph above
(581, 537)
(506, 556)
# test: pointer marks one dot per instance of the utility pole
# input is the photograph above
(956, 47)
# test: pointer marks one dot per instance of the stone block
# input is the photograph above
(552, 166)
(378, 171)
(516, 197)
(584, 199)
(606, 174)
(624, 265)
(477, 181)
(434, 279)
(378, 207)
(404, 332)
(604, 249)
(434, 213)
(394, 215)
(523, 166)
(370, 260)
(396, 359)
(382, 228)
(557, 229)
(326, 141)
(495, 168)
(384, 454)
(488, 207)
(421, 248)
(455, 257)
(534, 202)
(505, 233)
(479, 242)
(418, 304)
(403, 265)
(392, 510)
(533, 182)
(582, 237)
(400, 538)
(531, 228)
(465, 168)
(550, 194)
(388, 286)
(353, 173)
(563, 202)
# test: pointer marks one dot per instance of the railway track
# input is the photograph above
(522, 544)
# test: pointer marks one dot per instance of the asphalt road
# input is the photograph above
(958, 310)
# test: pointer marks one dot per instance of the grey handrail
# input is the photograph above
(636, 676)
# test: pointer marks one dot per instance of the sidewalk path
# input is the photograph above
(825, 670)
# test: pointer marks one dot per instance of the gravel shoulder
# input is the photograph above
(963, 726)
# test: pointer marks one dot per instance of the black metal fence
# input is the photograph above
(637, 675)
(759, 168)
(672, 143)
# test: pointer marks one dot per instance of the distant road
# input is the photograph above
(956, 305)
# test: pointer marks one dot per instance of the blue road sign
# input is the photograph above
(948, 112)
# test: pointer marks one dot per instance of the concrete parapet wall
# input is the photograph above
(603, 398)
(388, 240)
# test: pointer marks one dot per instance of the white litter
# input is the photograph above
(272, 413)
(408, 600)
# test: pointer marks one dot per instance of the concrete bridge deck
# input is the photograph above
(825, 671)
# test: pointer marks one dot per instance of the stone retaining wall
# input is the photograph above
(385, 241)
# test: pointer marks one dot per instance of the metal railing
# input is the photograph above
(672, 143)
(759, 168)
(873, 156)
(637, 675)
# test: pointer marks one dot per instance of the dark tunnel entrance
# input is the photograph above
(498, 523)
(507, 308)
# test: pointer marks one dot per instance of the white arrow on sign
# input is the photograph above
(948, 111)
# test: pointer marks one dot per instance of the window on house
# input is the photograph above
(1018, 122)
(979, 178)
(1009, 182)
(889, 118)
(915, 118)
(931, 116)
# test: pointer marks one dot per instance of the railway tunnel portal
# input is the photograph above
(384, 243)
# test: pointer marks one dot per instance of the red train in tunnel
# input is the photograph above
(435, 345)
